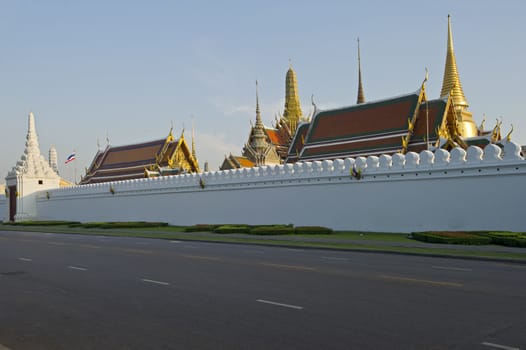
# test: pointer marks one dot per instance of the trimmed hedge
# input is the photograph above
(201, 228)
(41, 223)
(509, 239)
(232, 229)
(312, 230)
(272, 230)
(117, 225)
(452, 238)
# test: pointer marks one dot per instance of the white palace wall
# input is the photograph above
(473, 190)
(4, 213)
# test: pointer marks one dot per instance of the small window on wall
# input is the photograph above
(40, 182)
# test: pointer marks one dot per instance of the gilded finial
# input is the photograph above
(361, 95)
(508, 137)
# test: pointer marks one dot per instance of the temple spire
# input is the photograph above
(451, 83)
(193, 141)
(259, 141)
(292, 113)
(361, 96)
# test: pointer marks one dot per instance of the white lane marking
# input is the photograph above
(155, 282)
(498, 346)
(334, 258)
(280, 304)
(77, 268)
(294, 250)
(254, 251)
(451, 268)
(25, 259)
(175, 241)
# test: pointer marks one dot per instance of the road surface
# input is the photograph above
(90, 292)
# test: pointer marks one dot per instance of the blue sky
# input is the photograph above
(129, 69)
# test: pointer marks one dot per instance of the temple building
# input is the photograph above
(167, 156)
(407, 123)
(31, 174)
(269, 145)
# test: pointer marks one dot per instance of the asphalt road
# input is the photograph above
(83, 292)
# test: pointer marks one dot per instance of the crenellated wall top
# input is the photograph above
(438, 161)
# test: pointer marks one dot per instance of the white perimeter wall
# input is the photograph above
(4, 207)
(461, 190)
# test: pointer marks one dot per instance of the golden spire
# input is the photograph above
(451, 83)
(361, 96)
(193, 141)
(292, 113)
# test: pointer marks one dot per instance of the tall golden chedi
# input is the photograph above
(292, 114)
(451, 85)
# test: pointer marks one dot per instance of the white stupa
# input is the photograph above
(31, 174)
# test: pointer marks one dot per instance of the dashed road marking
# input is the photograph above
(254, 251)
(294, 250)
(155, 282)
(499, 346)
(200, 257)
(334, 258)
(175, 241)
(25, 259)
(416, 280)
(280, 304)
(451, 268)
(77, 268)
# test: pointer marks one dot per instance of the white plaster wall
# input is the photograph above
(4, 207)
(28, 187)
(472, 190)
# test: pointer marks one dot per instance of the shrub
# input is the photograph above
(41, 223)
(509, 239)
(201, 228)
(451, 238)
(117, 225)
(313, 230)
(132, 224)
(272, 230)
(232, 229)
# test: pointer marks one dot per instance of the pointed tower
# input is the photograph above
(259, 140)
(31, 174)
(292, 113)
(53, 158)
(193, 142)
(259, 150)
(361, 96)
(451, 85)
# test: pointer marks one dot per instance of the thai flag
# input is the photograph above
(70, 158)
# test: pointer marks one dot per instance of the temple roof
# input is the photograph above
(369, 129)
(130, 161)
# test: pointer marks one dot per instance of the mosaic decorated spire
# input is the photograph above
(292, 113)
(259, 142)
(451, 83)
(361, 95)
